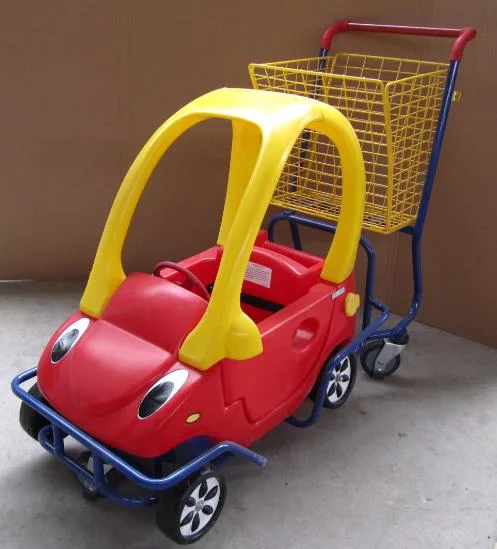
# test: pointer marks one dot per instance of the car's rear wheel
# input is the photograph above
(189, 510)
(31, 421)
(340, 384)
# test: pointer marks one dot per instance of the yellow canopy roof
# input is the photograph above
(265, 128)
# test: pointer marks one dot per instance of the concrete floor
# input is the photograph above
(410, 463)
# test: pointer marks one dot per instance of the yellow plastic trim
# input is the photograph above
(340, 261)
(352, 302)
(192, 418)
(246, 142)
(265, 128)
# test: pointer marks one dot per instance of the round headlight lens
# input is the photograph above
(161, 393)
(65, 342)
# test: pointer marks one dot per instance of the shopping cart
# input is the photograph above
(399, 110)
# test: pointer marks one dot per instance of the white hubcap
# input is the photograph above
(200, 507)
(340, 381)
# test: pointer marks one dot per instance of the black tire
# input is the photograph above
(89, 492)
(370, 353)
(31, 421)
(189, 510)
(340, 385)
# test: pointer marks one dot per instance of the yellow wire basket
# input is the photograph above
(393, 105)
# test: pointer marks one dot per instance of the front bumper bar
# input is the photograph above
(51, 437)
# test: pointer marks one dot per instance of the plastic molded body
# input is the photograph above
(135, 342)
(155, 367)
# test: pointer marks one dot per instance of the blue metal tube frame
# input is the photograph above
(52, 437)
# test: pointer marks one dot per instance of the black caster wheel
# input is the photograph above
(189, 510)
(340, 385)
(89, 490)
(369, 356)
(31, 421)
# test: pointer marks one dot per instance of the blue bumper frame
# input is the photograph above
(52, 437)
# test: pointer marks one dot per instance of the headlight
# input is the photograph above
(161, 393)
(67, 339)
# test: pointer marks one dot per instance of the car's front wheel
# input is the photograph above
(31, 421)
(187, 512)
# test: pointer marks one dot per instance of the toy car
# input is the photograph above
(192, 363)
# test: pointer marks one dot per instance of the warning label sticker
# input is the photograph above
(258, 274)
(338, 293)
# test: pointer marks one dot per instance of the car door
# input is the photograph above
(293, 340)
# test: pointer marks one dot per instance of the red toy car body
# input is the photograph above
(100, 383)
(194, 362)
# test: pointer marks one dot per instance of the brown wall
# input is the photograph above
(85, 84)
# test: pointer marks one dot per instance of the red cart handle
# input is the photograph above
(462, 36)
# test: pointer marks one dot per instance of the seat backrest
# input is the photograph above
(273, 276)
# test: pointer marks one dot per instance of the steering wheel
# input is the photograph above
(193, 279)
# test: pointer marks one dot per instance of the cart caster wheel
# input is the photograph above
(31, 421)
(340, 385)
(369, 359)
(189, 510)
(89, 490)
